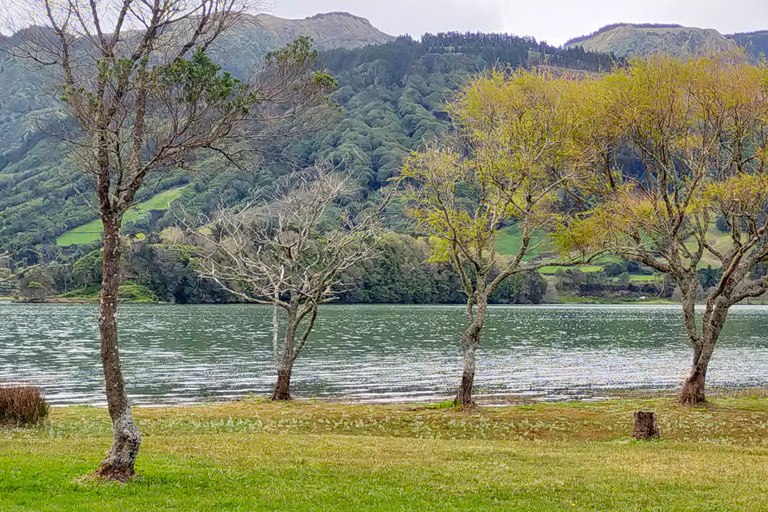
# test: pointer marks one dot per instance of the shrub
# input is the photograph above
(22, 405)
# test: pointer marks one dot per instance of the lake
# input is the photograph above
(189, 354)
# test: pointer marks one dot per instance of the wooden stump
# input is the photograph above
(646, 426)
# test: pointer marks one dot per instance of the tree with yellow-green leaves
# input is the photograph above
(700, 130)
(511, 153)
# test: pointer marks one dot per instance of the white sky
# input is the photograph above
(553, 21)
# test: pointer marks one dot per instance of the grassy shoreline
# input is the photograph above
(257, 455)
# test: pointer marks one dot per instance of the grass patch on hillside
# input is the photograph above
(550, 270)
(92, 231)
(256, 455)
(638, 278)
(509, 239)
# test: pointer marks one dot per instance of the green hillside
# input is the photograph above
(391, 101)
(510, 238)
(92, 231)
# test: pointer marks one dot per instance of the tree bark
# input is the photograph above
(285, 362)
(713, 320)
(464, 396)
(645, 425)
(470, 340)
(119, 462)
(692, 392)
(283, 385)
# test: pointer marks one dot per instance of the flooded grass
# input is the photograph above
(258, 455)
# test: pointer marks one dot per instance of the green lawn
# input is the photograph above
(255, 455)
(92, 231)
(551, 270)
(637, 278)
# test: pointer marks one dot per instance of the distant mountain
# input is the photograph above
(629, 40)
(754, 43)
(329, 30)
(246, 43)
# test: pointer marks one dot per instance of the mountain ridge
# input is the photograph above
(631, 40)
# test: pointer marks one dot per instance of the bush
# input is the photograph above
(22, 405)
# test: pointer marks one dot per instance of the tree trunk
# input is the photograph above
(645, 425)
(692, 392)
(464, 396)
(470, 340)
(285, 362)
(283, 385)
(119, 461)
(713, 320)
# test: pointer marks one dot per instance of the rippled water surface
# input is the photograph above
(195, 353)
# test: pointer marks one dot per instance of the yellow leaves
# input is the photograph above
(441, 250)
(514, 152)
(740, 195)
(625, 215)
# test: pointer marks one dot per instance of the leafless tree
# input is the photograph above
(147, 99)
(290, 253)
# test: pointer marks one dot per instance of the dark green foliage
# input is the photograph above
(709, 276)
(34, 283)
(722, 224)
(167, 272)
(196, 77)
(401, 275)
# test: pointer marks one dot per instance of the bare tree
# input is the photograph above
(135, 76)
(290, 255)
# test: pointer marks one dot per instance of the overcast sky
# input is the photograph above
(554, 21)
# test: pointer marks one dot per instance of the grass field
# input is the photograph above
(551, 270)
(92, 231)
(256, 455)
(510, 238)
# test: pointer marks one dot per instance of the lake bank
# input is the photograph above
(258, 455)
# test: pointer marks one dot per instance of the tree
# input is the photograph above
(34, 283)
(699, 127)
(6, 283)
(147, 99)
(513, 151)
(290, 254)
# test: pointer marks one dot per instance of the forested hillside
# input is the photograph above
(390, 99)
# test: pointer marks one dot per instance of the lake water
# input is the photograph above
(189, 354)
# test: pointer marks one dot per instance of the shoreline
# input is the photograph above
(95, 301)
(482, 401)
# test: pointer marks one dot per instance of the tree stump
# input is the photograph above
(646, 426)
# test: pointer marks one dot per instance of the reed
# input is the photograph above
(22, 405)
